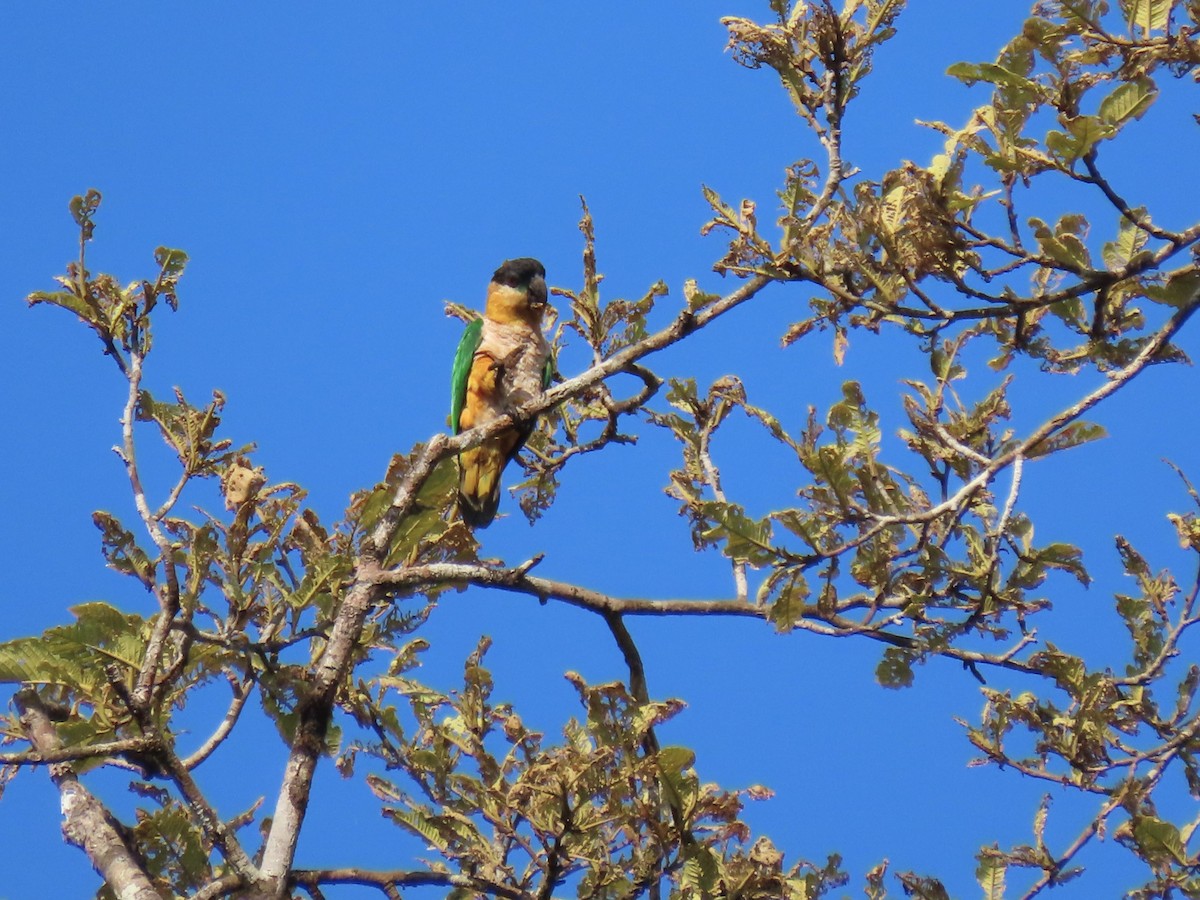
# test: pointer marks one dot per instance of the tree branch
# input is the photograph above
(241, 693)
(87, 824)
(68, 754)
(812, 618)
(307, 878)
(1140, 222)
(206, 817)
(168, 592)
(442, 446)
(221, 887)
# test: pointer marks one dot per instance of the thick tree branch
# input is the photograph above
(87, 824)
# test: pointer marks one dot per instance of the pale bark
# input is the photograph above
(87, 824)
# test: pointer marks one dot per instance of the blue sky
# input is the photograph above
(336, 173)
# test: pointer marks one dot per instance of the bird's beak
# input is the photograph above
(537, 291)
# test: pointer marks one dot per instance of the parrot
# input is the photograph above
(503, 361)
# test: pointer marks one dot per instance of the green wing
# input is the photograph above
(471, 339)
(548, 370)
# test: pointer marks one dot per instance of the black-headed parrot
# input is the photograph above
(503, 361)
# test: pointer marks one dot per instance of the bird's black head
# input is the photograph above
(524, 274)
(518, 272)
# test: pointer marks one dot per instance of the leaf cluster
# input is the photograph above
(591, 419)
(120, 316)
(495, 799)
(919, 562)
(883, 250)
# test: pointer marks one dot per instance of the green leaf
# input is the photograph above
(171, 263)
(372, 506)
(75, 656)
(319, 584)
(922, 887)
(1067, 671)
(33, 660)
(1133, 562)
(676, 759)
(1039, 821)
(426, 524)
(420, 824)
(674, 763)
(1159, 840)
(1062, 145)
(1129, 100)
(1180, 289)
(990, 874)
(970, 73)
(83, 208)
(172, 260)
(188, 430)
(1061, 245)
(1085, 133)
(1148, 15)
(745, 539)
(895, 669)
(1065, 557)
(695, 297)
(725, 214)
(121, 550)
(1073, 435)
(172, 846)
(1130, 240)
(1088, 130)
(786, 591)
(700, 871)
(69, 301)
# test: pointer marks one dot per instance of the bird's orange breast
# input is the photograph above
(485, 393)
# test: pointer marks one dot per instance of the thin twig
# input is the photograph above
(241, 693)
(404, 878)
(167, 591)
(712, 477)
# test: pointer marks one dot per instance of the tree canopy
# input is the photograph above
(1015, 253)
